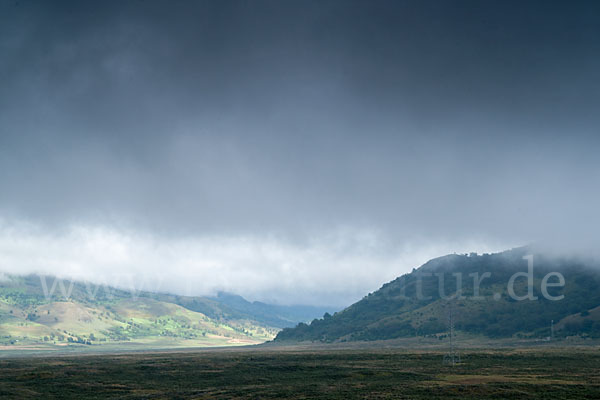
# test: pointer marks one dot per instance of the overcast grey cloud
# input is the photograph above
(425, 126)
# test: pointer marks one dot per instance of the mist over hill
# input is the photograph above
(516, 293)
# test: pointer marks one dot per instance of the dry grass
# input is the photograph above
(299, 374)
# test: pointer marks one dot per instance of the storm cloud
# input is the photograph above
(420, 125)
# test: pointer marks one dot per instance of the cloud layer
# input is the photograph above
(245, 135)
(333, 269)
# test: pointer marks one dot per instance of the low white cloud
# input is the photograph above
(335, 268)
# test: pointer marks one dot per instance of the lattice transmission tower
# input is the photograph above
(452, 357)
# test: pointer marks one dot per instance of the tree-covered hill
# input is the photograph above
(419, 303)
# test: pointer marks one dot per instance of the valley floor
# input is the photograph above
(287, 372)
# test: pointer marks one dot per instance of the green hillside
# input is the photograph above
(36, 310)
(417, 304)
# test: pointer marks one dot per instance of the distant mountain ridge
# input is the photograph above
(418, 303)
(271, 314)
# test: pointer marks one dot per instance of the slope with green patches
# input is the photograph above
(35, 310)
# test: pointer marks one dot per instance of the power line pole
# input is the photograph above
(452, 357)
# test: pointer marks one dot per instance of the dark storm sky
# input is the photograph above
(433, 121)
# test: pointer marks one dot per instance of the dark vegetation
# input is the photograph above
(342, 374)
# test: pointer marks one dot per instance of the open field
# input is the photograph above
(244, 373)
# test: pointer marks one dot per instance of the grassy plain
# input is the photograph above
(300, 373)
